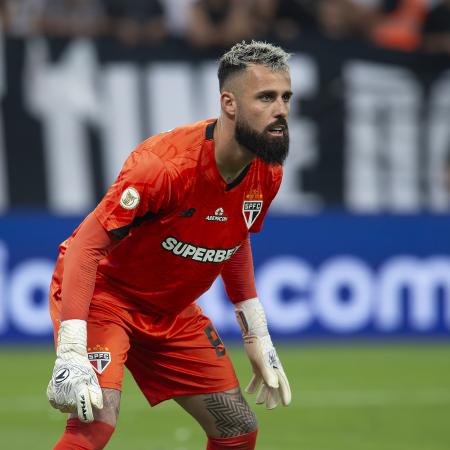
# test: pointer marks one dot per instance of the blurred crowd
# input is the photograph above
(405, 25)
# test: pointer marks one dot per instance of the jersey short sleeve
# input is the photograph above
(142, 189)
(271, 188)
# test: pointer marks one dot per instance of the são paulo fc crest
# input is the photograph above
(99, 358)
(251, 210)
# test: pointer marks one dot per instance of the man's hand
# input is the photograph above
(268, 373)
(74, 385)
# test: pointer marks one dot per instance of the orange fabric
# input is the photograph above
(402, 28)
(168, 356)
(243, 442)
(178, 219)
(88, 247)
(238, 274)
(85, 436)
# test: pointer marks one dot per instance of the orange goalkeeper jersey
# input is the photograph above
(177, 219)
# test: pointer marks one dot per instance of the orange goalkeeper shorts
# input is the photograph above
(168, 356)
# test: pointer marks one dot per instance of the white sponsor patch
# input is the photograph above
(130, 198)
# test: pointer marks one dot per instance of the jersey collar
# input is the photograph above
(209, 140)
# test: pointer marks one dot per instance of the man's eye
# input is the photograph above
(266, 97)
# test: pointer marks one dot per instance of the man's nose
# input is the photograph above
(281, 108)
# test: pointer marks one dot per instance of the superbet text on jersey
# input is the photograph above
(178, 220)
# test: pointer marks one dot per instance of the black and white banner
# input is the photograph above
(370, 129)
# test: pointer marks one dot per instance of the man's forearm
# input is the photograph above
(238, 274)
(91, 244)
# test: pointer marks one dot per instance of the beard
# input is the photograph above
(269, 149)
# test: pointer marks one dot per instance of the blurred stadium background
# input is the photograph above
(353, 264)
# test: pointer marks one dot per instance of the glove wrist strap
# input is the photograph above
(72, 337)
(251, 318)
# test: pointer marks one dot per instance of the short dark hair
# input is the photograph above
(243, 54)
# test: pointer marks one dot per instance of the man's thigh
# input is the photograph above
(188, 359)
(107, 347)
(107, 344)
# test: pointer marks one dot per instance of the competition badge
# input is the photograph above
(130, 198)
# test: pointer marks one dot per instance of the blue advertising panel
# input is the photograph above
(331, 275)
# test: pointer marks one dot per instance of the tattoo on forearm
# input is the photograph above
(111, 398)
(231, 412)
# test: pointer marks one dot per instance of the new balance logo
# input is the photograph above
(187, 212)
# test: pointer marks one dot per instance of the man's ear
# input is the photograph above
(228, 103)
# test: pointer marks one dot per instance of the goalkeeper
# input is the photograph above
(179, 214)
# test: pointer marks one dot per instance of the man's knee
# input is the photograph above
(243, 442)
(85, 436)
(244, 422)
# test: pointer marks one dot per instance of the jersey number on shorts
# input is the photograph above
(215, 340)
